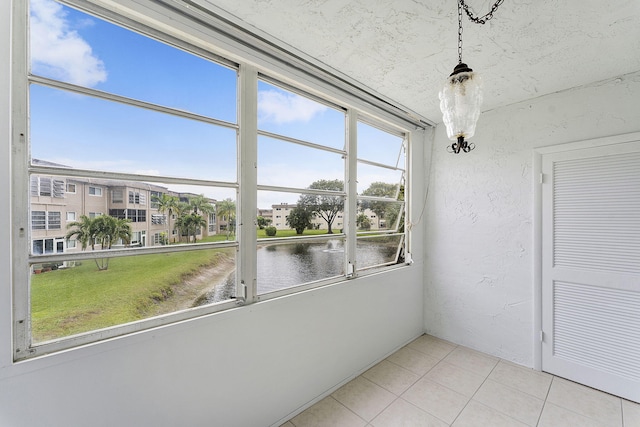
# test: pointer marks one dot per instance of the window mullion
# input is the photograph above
(351, 178)
(247, 198)
(21, 192)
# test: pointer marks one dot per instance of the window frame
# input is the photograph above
(252, 62)
(97, 191)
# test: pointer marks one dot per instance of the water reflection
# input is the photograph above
(285, 265)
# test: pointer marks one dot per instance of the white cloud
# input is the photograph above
(60, 52)
(282, 108)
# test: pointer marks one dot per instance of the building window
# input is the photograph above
(71, 216)
(155, 197)
(47, 246)
(71, 244)
(43, 220)
(71, 188)
(46, 186)
(212, 222)
(95, 191)
(117, 195)
(158, 219)
(53, 220)
(304, 157)
(38, 220)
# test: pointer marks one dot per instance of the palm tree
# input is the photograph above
(201, 204)
(168, 204)
(227, 209)
(108, 230)
(194, 221)
(182, 209)
(104, 229)
(82, 231)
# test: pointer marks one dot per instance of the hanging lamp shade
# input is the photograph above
(460, 102)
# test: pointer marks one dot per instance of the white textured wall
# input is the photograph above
(479, 265)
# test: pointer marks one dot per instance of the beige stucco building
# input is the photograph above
(57, 202)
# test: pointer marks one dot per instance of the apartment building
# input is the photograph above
(57, 202)
(280, 212)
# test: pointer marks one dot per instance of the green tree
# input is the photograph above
(82, 231)
(104, 230)
(226, 210)
(380, 189)
(299, 218)
(107, 230)
(262, 222)
(201, 204)
(166, 204)
(191, 223)
(182, 209)
(363, 222)
(326, 206)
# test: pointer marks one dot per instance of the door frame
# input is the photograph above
(538, 154)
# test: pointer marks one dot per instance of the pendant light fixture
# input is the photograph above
(461, 97)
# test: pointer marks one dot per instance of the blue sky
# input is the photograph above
(86, 132)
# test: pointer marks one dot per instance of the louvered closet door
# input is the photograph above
(591, 267)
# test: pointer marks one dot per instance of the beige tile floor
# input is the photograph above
(432, 382)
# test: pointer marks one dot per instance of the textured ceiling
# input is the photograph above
(404, 49)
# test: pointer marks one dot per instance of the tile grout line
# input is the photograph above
(472, 396)
(349, 409)
(546, 396)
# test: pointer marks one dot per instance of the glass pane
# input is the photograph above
(378, 251)
(289, 114)
(379, 215)
(77, 48)
(283, 266)
(89, 133)
(379, 146)
(378, 181)
(300, 214)
(286, 164)
(72, 297)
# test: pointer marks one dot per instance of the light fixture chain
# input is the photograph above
(460, 32)
(483, 19)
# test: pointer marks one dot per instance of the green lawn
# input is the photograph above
(79, 299)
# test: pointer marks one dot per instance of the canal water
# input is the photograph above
(282, 266)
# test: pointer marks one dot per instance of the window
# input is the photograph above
(117, 195)
(53, 220)
(38, 220)
(172, 143)
(137, 198)
(95, 191)
(381, 186)
(46, 186)
(212, 222)
(158, 219)
(155, 197)
(47, 246)
(43, 220)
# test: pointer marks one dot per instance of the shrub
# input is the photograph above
(271, 231)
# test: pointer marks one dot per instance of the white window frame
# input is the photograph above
(97, 191)
(208, 35)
